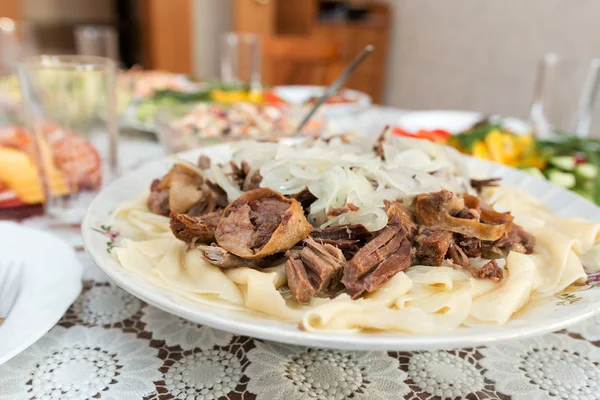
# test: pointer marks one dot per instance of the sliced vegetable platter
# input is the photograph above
(566, 160)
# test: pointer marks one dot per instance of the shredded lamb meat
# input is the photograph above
(315, 270)
(244, 176)
(369, 257)
(158, 200)
(347, 238)
(223, 259)
(407, 218)
(207, 203)
(184, 191)
(203, 162)
(219, 192)
(300, 286)
(261, 222)
(252, 181)
(306, 198)
(342, 232)
(335, 212)
(433, 244)
(192, 229)
(265, 215)
(399, 261)
(458, 256)
(517, 239)
(378, 146)
(324, 261)
(480, 184)
(440, 210)
(491, 270)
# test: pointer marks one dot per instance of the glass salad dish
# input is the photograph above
(187, 126)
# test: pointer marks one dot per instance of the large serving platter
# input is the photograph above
(543, 316)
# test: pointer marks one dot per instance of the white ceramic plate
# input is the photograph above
(549, 315)
(452, 121)
(51, 282)
(298, 94)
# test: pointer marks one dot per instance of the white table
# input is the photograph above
(110, 345)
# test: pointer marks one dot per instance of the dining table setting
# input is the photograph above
(165, 236)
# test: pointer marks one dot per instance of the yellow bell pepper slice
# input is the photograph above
(494, 145)
(255, 96)
(226, 97)
(480, 150)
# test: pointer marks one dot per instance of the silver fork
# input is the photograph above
(10, 286)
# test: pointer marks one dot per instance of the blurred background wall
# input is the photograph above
(459, 54)
(456, 54)
(481, 55)
(211, 20)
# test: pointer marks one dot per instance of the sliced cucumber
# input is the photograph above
(534, 171)
(564, 163)
(586, 186)
(586, 171)
(560, 178)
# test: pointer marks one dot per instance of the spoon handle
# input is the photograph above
(336, 85)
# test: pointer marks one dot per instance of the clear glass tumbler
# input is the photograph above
(70, 108)
(564, 95)
(16, 41)
(97, 40)
(240, 61)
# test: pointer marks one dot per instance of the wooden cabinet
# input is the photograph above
(167, 34)
(370, 76)
(300, 17)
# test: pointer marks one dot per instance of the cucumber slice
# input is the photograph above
(534, 171)
(565, 163)
(586, 171)
(560, 178)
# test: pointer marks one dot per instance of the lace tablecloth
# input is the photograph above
(110, 345)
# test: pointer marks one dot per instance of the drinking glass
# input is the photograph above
(97, 40)
(69, 106)
(240, 60)
(16, 41)
(564, 95)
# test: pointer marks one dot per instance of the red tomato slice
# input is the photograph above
(436, 135)
(271, 98)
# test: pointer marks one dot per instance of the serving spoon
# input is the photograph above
(336, 85)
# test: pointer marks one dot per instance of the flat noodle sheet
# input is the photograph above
(422, 300)
(185, 272)
(134, 221)
(261, 291)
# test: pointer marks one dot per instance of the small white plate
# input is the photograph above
(548, 315)
(453, 121)
(51, 281)
(298, 94)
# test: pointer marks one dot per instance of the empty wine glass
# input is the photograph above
(564, 95)
(16, 42)
(97, 40)
(240, 60)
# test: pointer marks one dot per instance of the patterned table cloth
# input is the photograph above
(110, 345)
